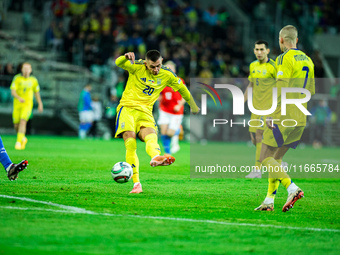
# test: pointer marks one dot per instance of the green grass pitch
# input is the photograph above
(91, 214)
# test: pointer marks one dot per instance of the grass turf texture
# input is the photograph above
(77, 173)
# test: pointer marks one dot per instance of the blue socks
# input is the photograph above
(4, 159)
(166, 141)
(178, 131)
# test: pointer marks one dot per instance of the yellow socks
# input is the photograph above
(273, 185)
(279, 174)
(20, 137)
(131, 157)
(257, 156)
(151, 145)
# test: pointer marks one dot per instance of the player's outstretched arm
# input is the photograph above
(130, 56)
(126, 62)
(189, 99)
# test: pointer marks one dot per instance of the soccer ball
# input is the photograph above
(121, 172)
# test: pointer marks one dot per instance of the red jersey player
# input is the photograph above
(171, 109)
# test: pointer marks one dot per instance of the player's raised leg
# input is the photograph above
(4, 158)
(11, 169)
(149, 135)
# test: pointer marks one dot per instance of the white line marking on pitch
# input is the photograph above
(72, 209)
(329, 161)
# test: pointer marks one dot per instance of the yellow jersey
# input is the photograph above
(25, 88)
(263, 78)
(294, 69)
(143, 88)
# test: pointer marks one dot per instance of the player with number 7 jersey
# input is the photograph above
(147, 79)
(295, 70)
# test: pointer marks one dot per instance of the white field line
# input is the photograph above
(330, 161)
(72, 209)
(66, 207)
(34, 209)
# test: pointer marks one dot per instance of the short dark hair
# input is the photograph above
(262, 42)
(153, 55)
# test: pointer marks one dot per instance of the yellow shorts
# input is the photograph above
(279, 136)
(132, 120)
(258, 124)
(21, 112)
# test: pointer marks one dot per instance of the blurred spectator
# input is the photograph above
(106, 45)
(154, 12)
(59, 8)
(120, 17)
(78, 7)
(85, 111)
(78, 49)
(54, 36)
(97, 115)
(68, 46)
(9, 74)
(5, 83)
(210, 16)
(74, 26)
(132, 7)
(91, 25)
(91, 49)
(105, 22)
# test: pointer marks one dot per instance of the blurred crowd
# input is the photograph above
(321, 15)
(202, 42)
(7, 72)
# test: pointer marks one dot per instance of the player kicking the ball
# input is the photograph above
(147, 78)
(294, 69)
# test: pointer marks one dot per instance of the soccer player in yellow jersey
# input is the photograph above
(262, 73)
(23, 87)
(134, 113)
(294, 69)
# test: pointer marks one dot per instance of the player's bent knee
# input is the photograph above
(144, 131)
(129, 134)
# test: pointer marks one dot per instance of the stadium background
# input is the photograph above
(66, 202)
(72, 43)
